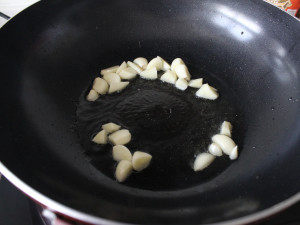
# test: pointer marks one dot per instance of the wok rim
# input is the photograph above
(77, 215)
(74, 214)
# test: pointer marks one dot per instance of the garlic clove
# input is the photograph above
(156, 62)
(202, 161)
(112, 69)
(182, 71)
(142, 62)
(188, 78)
(226, 143)
(150, 74)
(207, 92)
(110, 127)
(169, 77)
(196, 83)
(100, 85)
(215, 149)
(214, 88)
(140, 160)
(176, 62)
(100, 138)
(111, 77)
(92, 96)
(121, 152)
(128, 73)
(123, 170)
(117, 86)
(120, 137)
(226, 128)
(234, 153)
(134, 66)
(165, 66)
(122, 66)
(181, 84)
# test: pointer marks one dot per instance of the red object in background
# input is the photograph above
(292, 7)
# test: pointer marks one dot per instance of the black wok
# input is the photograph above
(49, 55)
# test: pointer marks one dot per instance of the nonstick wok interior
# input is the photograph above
(172, 125)
(50, 53)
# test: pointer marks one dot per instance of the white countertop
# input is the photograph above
(13, 7)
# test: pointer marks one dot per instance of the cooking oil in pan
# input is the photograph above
(172, 125)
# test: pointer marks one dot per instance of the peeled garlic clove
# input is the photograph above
(142, 62)
(123, 170)
(181, 84)
(100, 85)
(111, 77)
(215, 149)
(226, 143)
(134, 66)
(176, 62)
(121, 152)
(234, 153)
(122, 66)
(196, 83)
(110, 127)
(156, 62)
(182, 71)
(214, 88)
(202, 161)
(165, 66)
(117, 86)
(140, 160)
(120, 137)
(101, 137)
(92, 96)
(226, 128)
(128, 73)
(112, 69)
(207, 92)
(169, 77)
(188, 78)
(150, 74)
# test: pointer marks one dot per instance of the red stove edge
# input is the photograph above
(66, 213)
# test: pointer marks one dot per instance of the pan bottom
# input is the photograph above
(172, 125)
